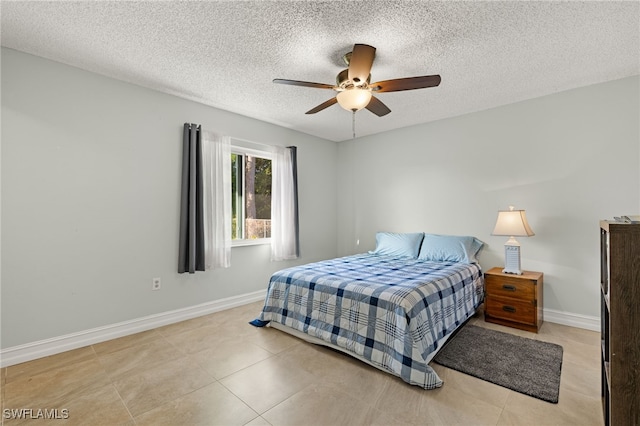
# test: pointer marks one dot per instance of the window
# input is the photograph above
(250, 196)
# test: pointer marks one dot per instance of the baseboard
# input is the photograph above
(55, 345)
(572, 320)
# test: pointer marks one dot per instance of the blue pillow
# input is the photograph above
(450, 248)
(391, 244)
(476, 246)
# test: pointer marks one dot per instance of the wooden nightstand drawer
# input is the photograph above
(517, 288)
(514, 300)
(511, 309)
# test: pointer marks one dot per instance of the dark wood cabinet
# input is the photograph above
(513, 300)
(620, 322)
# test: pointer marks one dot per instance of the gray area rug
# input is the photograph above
(524, 365)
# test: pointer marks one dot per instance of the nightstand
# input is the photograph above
(513, 300)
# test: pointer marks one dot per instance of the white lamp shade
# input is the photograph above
(512, 223)
(354, 99)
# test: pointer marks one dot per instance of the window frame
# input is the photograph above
(240, 149)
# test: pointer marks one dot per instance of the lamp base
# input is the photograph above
(512, 258)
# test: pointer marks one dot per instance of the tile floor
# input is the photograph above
(218, 370)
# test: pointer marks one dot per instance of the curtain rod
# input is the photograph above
(249, 141)
(239, 139)
(258, 143)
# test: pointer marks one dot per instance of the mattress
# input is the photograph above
(391, 312)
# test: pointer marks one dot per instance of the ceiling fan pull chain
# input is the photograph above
(353, 123)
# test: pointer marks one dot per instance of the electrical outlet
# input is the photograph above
(156, 284)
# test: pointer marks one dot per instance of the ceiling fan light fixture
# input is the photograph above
(354, 99)
(354, 85)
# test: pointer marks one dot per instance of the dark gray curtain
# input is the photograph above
(191, 251)
(293, 151)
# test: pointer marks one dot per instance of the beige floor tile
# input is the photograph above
(573, 409)
(138, 358)
(267, 383)
(338, 370)
(240, 315)
(275, 341)
(229, 357)
(41, 365)
(258, 421)
(328, 405)
(211, 405)
(240, 327)
(581, 379)
(3, 378)
(199, 339)
(243, 313)
(153, 387)
(224, 345)
(443, 406)
(61, 384)
(586, 337)
(103, 406)
(586, 355)
(182, 326)
(126, 342)
(466, 385)
(401, 400)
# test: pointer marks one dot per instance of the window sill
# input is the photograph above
(256, 242)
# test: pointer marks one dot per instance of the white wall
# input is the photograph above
(568, 159)
(90, 193)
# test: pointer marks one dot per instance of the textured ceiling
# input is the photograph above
(225, 54)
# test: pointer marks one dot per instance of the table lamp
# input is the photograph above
(512, 223)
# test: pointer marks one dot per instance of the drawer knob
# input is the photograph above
(508, 287)
(508, 308)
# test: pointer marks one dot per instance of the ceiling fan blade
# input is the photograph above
(361, 62)
(323, 106)
(303, 83)
(408, 83)
(377, 107)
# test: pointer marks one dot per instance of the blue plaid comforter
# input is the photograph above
(390, 311)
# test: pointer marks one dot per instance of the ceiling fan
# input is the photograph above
(354, 87)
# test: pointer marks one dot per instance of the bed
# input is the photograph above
(393, 309)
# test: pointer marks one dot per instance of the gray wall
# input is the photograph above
(568, 159)
(90, 193)
(90, 190)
